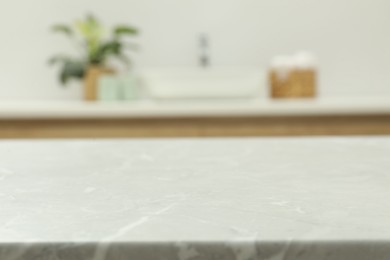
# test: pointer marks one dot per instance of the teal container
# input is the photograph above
(129, 88)
(109, 88)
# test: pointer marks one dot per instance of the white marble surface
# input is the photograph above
(195, 199)
(193, 108)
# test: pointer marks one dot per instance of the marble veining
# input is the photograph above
(196, 199)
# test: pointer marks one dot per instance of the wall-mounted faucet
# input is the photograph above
(204, 54)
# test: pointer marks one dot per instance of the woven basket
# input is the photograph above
(297, 83)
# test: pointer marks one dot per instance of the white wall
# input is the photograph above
(350, 37)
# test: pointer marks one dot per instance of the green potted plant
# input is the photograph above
(95, 48)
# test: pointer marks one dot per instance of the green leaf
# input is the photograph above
(92, 32)
(64, 77)
(125, 30)
(111, 48)
(61, 28)
(72, 70)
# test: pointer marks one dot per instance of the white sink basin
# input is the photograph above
(203, 83)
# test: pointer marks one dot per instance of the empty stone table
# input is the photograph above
(195, 199)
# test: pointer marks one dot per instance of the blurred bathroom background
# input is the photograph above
(350, 40)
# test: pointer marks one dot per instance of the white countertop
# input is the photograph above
(239, 199)
(220, 108)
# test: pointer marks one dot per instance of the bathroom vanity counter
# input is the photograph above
(251, 117)
(40, 110)
(187, 199)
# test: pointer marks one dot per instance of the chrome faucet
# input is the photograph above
(204, 46)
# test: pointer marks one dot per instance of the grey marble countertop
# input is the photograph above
(195, 199)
